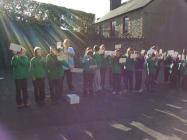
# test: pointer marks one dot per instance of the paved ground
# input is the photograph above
(161, 115)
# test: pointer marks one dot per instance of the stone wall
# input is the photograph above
(136, 26)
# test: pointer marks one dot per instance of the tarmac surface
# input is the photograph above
(159, 115)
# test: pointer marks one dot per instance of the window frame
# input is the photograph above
(125, 30)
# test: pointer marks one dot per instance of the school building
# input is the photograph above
(161, 22)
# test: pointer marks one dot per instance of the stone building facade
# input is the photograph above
(161, 22)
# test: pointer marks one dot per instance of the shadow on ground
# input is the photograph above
(161, 115)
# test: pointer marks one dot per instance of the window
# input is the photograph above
(125, 24)
(113, 28)
(100, 31)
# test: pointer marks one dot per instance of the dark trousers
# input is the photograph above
(60, 85)
(39, 89)
(128, 79)
(88, 82)
(157, 72)
(110, 77)
(138, 78)
(21, 91)
(166, 74)
(103, 74)
(116, 82)
(150, 81)
(68, 75)
(54, 89)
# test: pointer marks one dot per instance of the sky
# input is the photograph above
(97, 7)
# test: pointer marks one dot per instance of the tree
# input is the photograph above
(34, 12)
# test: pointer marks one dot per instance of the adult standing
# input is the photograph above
(69, 55)
(20, 64)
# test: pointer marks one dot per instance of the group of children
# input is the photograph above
(55, 65)
(124, 71)
(98, 67)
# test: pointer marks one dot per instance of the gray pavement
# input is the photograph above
(161, 115)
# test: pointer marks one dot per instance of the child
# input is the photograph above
(103, 65)
(20, 64)
(139, 67)
(116, 72)
(37, 69)
(167, 63)
(53, 65)
(97, 75)
(174, 74)
(62, 64)
(151, 69)
(129, 68)
(89, 66)
(109, 67)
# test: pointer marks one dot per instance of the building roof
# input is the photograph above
(127, 7)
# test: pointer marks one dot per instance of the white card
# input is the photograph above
(93, 67)
(142, 51)
(118, 46)
(77, 70)
(109, 53)
(122, 60)
(59, 44)
(101, 51)
(160, 51)
(171, 52)
(60, 58)
(15, 47)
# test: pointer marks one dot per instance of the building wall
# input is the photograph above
(135, 26)
(165, 23)
(155, 16)
(162, 22)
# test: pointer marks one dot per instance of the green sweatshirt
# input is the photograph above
(129, 64)
(116, 66)
(98, 59)
(20, 66)
(37, 67)
(52, 66)
(103, 62)
(87, 62)
(109, 61)
(151, 66)
(61, 66)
